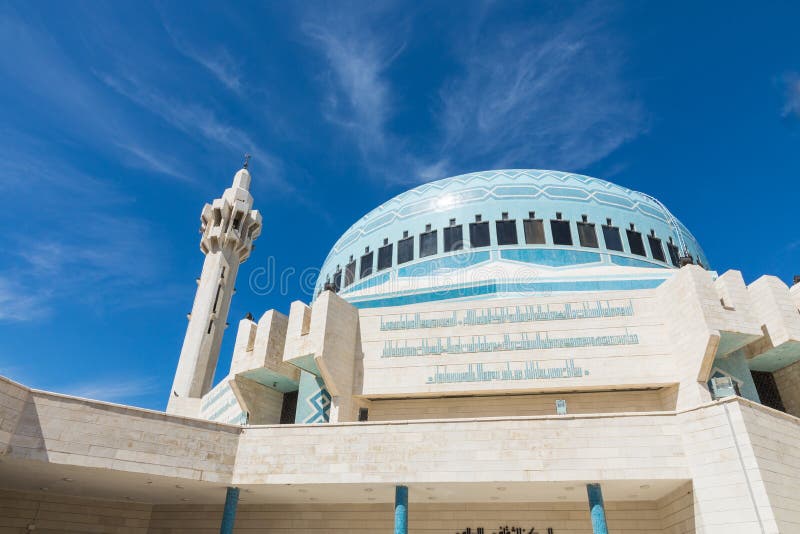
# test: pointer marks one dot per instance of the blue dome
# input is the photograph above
(497, 224)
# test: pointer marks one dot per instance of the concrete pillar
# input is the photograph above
(597, 510)
(401, 510)
(229, 513)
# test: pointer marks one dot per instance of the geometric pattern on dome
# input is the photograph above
(499, 185)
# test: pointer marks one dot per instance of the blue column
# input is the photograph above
(597, 510)
(401, 510)
(229, 513)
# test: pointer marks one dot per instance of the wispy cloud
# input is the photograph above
(544, 96)
(791, 107)
(359, 97)
(218, 61)
(112, 388)
(548, 95)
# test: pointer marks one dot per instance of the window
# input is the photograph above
(534, 229)
(612, 237)
(635, 242)
(337, 279)
(363, 414)
(385, 256)
(428, 245)
(405, 250)
(656, 250)
(453, 237)
(561, 232)
(479, 233)
(366, 265)
(674, 254)
(587, 235)
(506, 231)
(350, 272)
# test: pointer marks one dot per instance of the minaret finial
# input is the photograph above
(246, 161)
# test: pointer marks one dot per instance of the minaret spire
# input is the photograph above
(229, 227)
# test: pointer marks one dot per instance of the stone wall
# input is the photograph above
(788, 382)
(57, 514)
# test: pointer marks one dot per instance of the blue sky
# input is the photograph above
(119, 120)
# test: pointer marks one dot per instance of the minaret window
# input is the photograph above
(479, 233)
(428, 242)
(385, 255)
(562, 235)
(534, 229)
(216, 298)
(656, 250)
(217, 217)
(453, 237)
(366, 264)
(506, 230)
(350, 272)
(405, 249)
(674, 253)
(237, 220)
(635, 242)
(612, 236)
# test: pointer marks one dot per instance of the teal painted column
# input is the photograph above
(597, 510)
(401, 510)
(229, 513)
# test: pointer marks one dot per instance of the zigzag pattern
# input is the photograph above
(320, 404)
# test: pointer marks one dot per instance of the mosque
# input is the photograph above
(501, 352)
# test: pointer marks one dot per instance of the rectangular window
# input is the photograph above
(337, 280)
(428, 245)
(479, 234)
(587, 235)
(635, 242)
(363, 414)
(674, 255)
(506, 232)
(612, 238)
(453, 238)
(561, 232)
(385, 256)
(656, 250)
(349, 273)
(534, 231)
(405, 250)
(366, 265)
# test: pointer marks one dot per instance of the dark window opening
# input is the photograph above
(561, 231)
(612, 237)
(534, 230)
(337, 280)
(656, 250)
(635, 242)
(289, 408)
(366, 265)
(237, 220)
(479, 234)
(216, 298)
(385, 257)
(428, 245)
(767, 390)
(587, 235)
(217, 217)
(405, 250)
(453, 238)
(349, 273)
(210, 325)
(506, 231)
(363, 414)
(674, 253)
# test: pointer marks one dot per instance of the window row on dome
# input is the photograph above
(506, 233)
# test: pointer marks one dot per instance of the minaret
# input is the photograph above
(229, 227)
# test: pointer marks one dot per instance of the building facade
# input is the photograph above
(503, 352)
